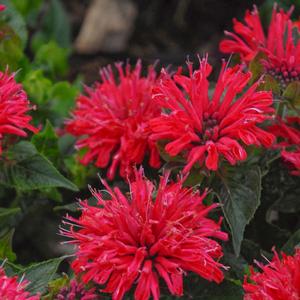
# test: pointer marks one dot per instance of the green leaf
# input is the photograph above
(26, 7)
(55, 26)
(52, 59)
(292, 93)
(15, 20)
(293, 241)
(239, 195)
(37, 86)
(6, 246)
(46, 142)
(62, 96)
(27, 169)
(39, 274)
(7, 213)
(10, 268)
(11, 52)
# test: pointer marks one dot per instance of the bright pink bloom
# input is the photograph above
(281, 47)
(289, 141)
(278, 280)
(11, 289)
(113, 120)
(139, 237)
(14, 107)
(76, 290)
(203, 128)
(2, 7)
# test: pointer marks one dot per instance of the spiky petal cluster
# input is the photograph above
(135, 240)
(76, 290)
(14, 107)
(280, 46)
(204, 128)
(278, 280)
(11, 289)
(112, 120)
(289, 141)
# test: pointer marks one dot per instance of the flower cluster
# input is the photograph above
(112, 120)
(280, 46)
(289, 141)
(278, 280)
(11, 289)
(76, 290)
(14, 107)
(124, 241)
(203, 128)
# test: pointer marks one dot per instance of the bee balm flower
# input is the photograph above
(202, 128)
(280, 45)
(137, 238)
(278, 280)
(288, 134)
(14, 106)
(11, 289)
(112, 120)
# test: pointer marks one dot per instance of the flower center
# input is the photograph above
(210, 130)
(283, 75)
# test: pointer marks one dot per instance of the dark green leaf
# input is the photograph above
(7, 213)
(28, 170)
(6, 246)
(294, 241)
(239, 195)
(292, 93)
(46, 142)
(39, 274)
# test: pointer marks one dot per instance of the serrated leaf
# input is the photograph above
(10, 268)
(293, 241)
(46, 142)
(27, 169)
(239, 195)
(6, 246)
(40, 274)
(292, 93)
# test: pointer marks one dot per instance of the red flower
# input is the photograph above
(2, 7)
(131, 240)
(76, 290)
(11, 289)
(13, 108)
(289, 141)
(113, 120)
(202, 128)
(280, 46)
(279, 280)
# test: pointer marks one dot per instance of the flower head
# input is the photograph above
(280, 46)
(204, 128)
(278, 280)
(112, 120)
(11, 289)
(76, 290)
(288, 134)
(14, 106)
(137, 238)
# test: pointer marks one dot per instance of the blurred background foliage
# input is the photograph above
(39, 41)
